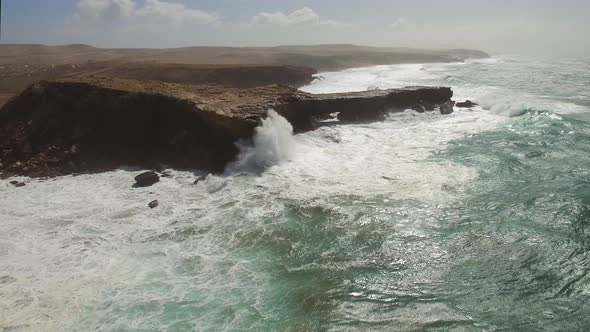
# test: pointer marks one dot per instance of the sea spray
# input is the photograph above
(503, 103)
(214, 183)
(416, 207)
(272, 143)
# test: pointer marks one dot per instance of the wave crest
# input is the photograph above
(272, 143)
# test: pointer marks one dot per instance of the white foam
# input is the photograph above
(215, 183)
(490, 60)
(82, 248)
(82, 253)
(362, 79)
(272, 143)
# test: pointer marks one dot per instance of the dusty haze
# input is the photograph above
(518, 26)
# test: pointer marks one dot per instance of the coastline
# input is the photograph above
(22, 65)
(86, 126)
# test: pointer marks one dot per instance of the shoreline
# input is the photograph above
(87, 126)
(246, 67)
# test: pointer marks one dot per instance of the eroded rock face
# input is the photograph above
(68, 127)
(362, 106)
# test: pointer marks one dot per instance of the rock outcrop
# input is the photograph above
(78, 126)
(146, 179)
(18, 184)
(466, 104)
(303, 110)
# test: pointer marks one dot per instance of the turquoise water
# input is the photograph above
(520, 241)
(477, 221)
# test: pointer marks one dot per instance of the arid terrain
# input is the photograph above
(21, 65)
(81, 109)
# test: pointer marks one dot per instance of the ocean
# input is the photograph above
(474, 221)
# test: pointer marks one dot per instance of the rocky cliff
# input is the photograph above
(15, 78)
(77, 126)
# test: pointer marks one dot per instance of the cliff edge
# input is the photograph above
(91, 125)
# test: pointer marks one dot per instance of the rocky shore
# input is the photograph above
(91, 125)
(22, 65)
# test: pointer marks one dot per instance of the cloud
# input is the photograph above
(146, 11)
(105, 9)
(167, 11)
(401, 22)
(303, 16)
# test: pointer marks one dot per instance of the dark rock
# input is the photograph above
(418, 108)
(94, 125)
(153, 204)
(466, 104)
(17, 184)
(146, 179)
(360, 106)
(199, 179)
(446, 108)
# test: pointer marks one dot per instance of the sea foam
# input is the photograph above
(272, 143)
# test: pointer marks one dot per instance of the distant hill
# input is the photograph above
(319, 57)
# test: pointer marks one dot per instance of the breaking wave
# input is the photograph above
(404, 224)
(273, 142)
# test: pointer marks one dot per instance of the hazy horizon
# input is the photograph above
(521, 26)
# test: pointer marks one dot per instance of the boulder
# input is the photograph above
(199, 179)
(153, 204)
(17, 184)
(446, 108)
(146, 179)
(466, 104)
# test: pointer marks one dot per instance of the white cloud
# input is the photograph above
(167, 11)
(401, 22)
(303, 16)
(146, 11)
(105, 9)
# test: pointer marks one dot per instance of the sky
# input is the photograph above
(498, 26)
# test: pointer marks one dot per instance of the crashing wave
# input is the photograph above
(272, 143)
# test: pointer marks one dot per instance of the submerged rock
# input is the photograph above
(446, 108)
(146, 179)
(199, 179)
(466, 104)
(18, 184)
(153, 204)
